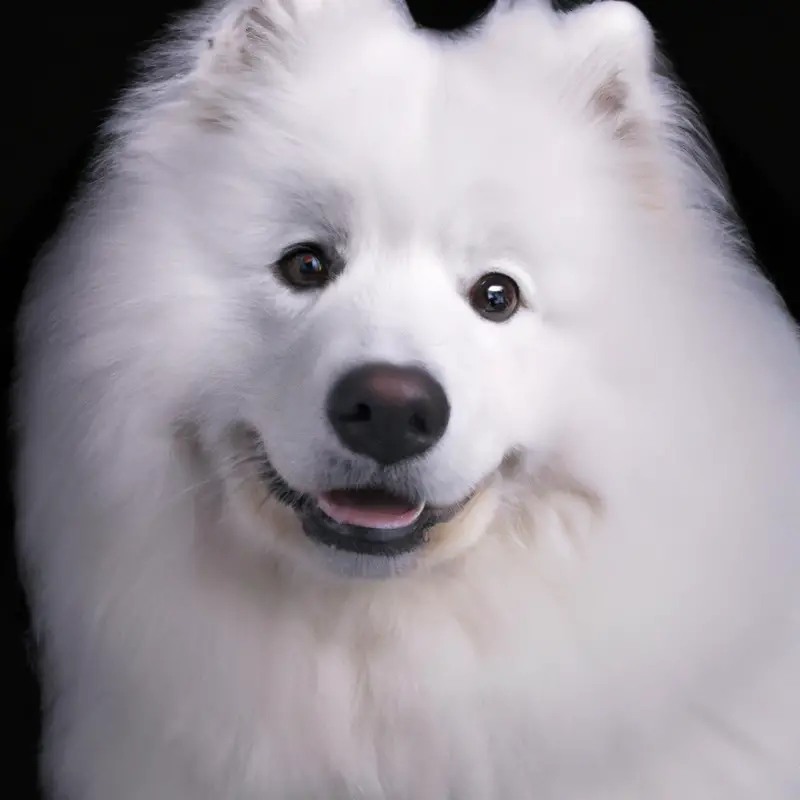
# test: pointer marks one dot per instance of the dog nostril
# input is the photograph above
(360, 413)
(418, 424)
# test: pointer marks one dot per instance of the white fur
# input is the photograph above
(614, 617)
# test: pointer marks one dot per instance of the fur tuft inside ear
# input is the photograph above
(615, 46)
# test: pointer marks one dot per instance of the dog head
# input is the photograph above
(395, 252)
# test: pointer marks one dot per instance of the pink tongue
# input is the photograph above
(368, 508)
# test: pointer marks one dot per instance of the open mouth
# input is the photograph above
(369, 508)
(371, 521)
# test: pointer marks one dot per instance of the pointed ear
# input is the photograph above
(239, 42)
(244, 34)
(615, 50)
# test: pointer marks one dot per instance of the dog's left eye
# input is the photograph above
(304, 267)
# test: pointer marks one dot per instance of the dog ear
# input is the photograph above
(615, 49)
(617, 81)
(231, 46)
(244, 34)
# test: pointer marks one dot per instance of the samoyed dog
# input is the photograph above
(402, 418)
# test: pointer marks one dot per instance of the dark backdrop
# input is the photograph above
(62, 63)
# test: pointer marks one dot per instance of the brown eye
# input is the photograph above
(305, 267)
(495, 297)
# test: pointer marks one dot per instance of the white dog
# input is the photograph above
(402, 419)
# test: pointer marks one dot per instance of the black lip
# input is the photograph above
(320, 528)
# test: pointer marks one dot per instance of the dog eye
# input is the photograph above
(495, 297)
(304, 267)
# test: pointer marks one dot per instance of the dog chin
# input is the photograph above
(366, 567)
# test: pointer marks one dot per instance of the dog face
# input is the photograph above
(399, 234)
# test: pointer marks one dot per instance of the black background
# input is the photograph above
(61, 65)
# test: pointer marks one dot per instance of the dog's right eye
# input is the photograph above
(495, 297)
(304, 267)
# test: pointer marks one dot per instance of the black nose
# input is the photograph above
(387, 412)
